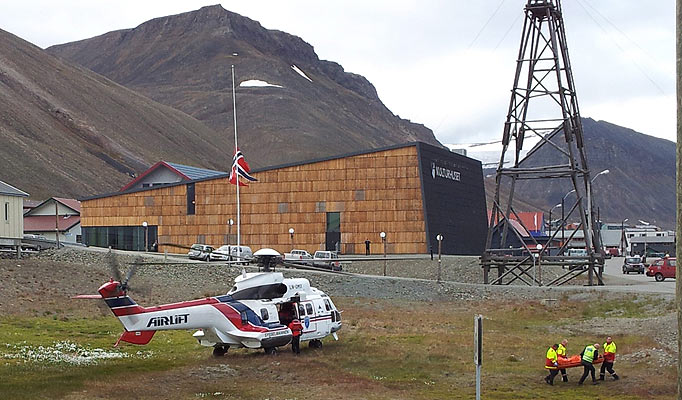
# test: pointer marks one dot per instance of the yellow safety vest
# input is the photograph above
(588, 353)
(561, 351)
(551, 359)
(610, 347)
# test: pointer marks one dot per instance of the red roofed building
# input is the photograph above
(55, 214)
(532, 221)
(163, 173)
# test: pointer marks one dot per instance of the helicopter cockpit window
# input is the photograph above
(264, 314)
(327, 305)
(272, 291)
(309, 308)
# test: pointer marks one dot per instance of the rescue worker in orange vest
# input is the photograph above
(589, 354)
(609, 358)
(561, 354)
(551, 364)
(296, 330)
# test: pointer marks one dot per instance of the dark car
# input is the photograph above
(633, 264)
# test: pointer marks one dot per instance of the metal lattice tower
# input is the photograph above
(543, 105)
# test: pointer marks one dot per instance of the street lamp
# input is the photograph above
(383, 239)
(439, 238)
(563, 219)
(291, 233)
(622, 236)
(604, 172)
(146, 236)
(230, 222)
(550, 216)
(539, 270)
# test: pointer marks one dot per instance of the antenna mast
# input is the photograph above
(543, 106)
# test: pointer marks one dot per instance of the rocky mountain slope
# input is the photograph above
(311, 107)
(66, 131)
(640, 183)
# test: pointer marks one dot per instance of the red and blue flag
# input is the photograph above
(240, 168)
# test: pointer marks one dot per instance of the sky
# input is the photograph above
(447, 64)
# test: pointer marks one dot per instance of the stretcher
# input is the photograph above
(574, 361)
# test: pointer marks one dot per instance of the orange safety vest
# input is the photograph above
(296, 327)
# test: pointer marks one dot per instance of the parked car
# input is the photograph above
(200, 252)
(327, 259)
(633, 264)
(662, 268)
(230, 253)
(576, 253)
(613, 251)
(298, 256)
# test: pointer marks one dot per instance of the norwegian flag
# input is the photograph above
(240, 168)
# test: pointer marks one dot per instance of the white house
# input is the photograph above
(12, 223)
(53, 215)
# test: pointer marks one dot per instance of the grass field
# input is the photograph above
(387, 350)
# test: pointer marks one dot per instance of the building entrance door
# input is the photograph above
(333, 234)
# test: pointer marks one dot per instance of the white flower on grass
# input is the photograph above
(63, 352)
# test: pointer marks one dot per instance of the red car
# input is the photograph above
(662, 268)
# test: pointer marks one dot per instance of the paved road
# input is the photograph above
(614, 278)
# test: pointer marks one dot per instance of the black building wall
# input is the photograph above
(454, 200)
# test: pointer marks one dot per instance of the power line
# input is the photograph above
(486, 24)
(639, 67)
(508, 30)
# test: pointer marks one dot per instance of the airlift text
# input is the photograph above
(169, 320)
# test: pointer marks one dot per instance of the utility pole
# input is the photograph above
(678, 274)
(56, 221)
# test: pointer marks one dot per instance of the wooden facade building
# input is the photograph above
(413, 192)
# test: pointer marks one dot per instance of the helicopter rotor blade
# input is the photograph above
(131, 271)
(113, 266)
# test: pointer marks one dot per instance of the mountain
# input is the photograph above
(640, 184)
(66, 131)
(310, 108)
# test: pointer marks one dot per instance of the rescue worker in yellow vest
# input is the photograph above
(609, 358)
(589, 354)
(551, 364)
(561, 354)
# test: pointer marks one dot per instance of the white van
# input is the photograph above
(229, 253)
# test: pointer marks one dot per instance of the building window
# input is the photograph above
(7, 212)
(191, 201)
(333, 222)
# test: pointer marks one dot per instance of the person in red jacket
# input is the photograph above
(609, 358)
(551, 364)
(296, 330)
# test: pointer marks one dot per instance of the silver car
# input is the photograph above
(200, 252)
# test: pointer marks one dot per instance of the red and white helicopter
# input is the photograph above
(254, 314)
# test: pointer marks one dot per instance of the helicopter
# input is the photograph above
(254, 314)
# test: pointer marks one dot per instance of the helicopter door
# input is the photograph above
(309, 324)
(323, 317)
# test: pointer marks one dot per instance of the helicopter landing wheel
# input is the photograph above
(220, 350)
(270, 351)
(315, 344)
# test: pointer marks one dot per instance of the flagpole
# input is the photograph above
(234, 105)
